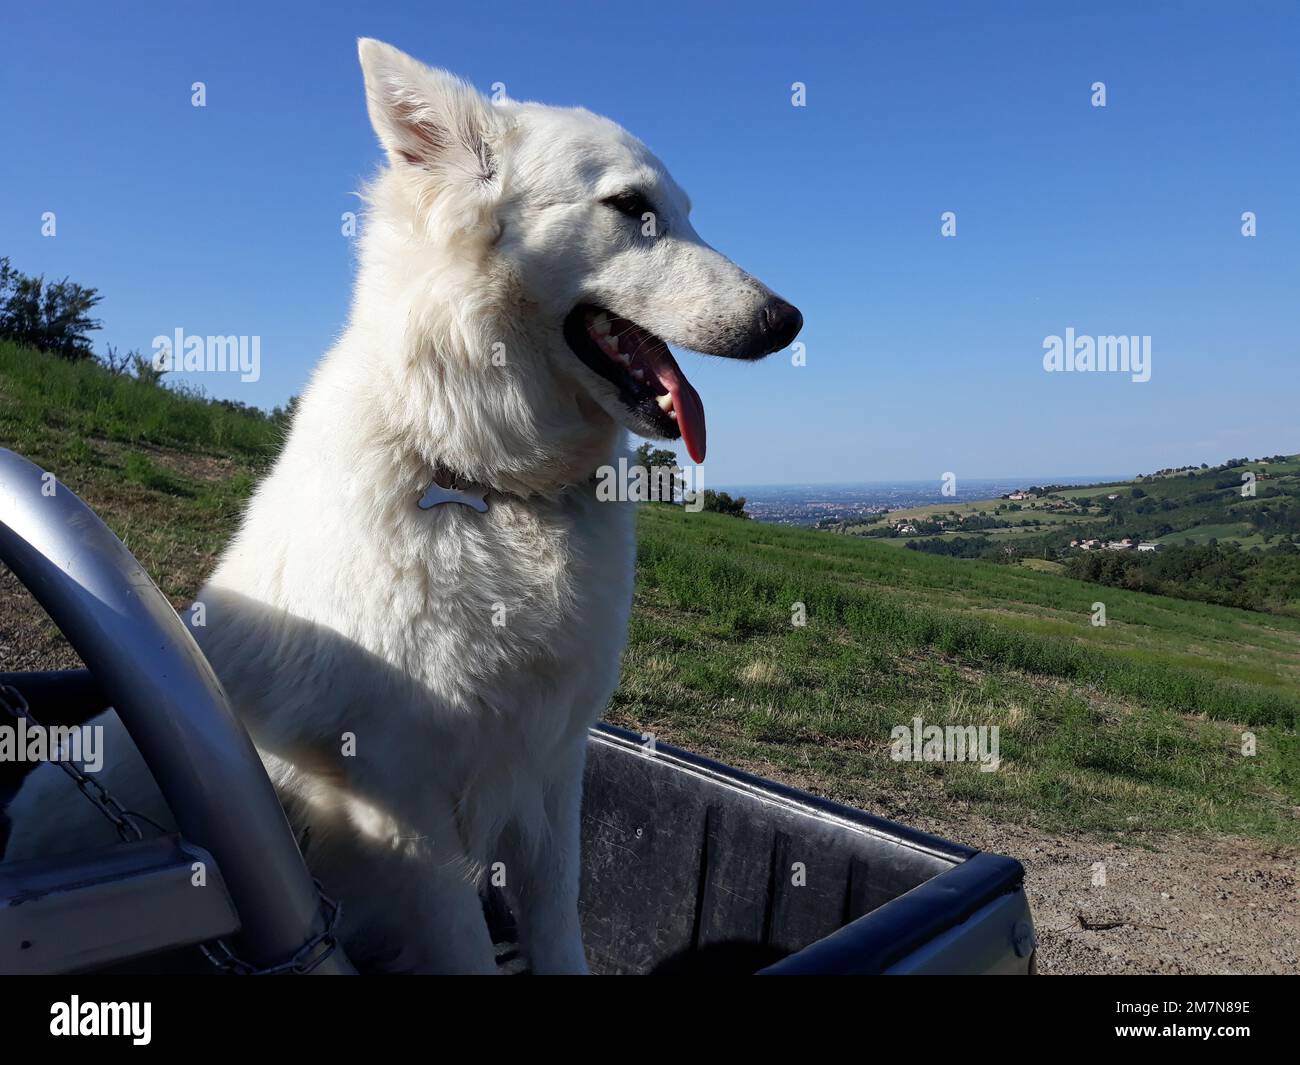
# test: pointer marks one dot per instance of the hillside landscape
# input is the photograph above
(794, 653)
(1227, 534)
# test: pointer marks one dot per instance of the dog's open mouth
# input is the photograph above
(640, 366)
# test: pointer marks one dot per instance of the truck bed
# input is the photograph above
(691, 866)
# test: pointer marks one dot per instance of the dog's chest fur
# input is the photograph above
(464, 653)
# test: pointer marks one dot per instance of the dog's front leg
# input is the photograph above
(542, 871)
(450, 936)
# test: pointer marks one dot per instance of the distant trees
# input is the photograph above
(649, 457)
(722, 503)
(1279, 517)
(133, 364)
(1214, 573)
(284, 415)
(52, 316)
(956, 547)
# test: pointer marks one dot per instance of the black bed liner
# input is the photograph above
(690, 865)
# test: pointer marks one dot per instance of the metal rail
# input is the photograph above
(153, 673)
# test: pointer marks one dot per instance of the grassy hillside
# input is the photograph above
(46, 398)
(167, 471)
(1187, 506)
(1228, 534)
(1134, 727)
(1138, 723)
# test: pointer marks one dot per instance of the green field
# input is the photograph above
(1236, 531)
(1193, 507)
(1135, 727)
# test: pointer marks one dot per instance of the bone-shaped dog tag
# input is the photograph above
(436, 494)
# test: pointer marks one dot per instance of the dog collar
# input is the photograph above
(449, 487)
(473, 496)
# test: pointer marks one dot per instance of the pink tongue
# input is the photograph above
(690, 416)
(686, 401)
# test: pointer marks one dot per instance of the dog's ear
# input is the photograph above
(425, 117)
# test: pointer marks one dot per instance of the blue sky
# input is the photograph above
(924, 353)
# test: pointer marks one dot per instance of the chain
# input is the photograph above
(304, 960)
(124, 820)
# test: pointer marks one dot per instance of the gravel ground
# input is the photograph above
(28, 639)
(1179, 905)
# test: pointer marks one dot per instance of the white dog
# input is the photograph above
(420, 678)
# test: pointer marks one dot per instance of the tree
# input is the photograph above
(132, 362)
(649, 457)
(115, 362)
(722, 503)
(145, 369)
(284, 415)
(53, 317)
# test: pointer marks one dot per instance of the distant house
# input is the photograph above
(1149, 546)
(1022, 495)
(1113, 495)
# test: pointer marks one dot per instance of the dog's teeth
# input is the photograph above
(600, 325)
(666, 404)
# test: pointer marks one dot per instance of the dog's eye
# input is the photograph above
(630, 203)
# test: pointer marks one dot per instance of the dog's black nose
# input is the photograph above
(781, 323)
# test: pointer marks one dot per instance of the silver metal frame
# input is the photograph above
(156, 678)
(80, 912)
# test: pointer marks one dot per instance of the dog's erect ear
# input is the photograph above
(426, 117)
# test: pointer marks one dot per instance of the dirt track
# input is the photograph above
(1181, 906)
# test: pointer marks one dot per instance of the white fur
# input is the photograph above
(341, 607)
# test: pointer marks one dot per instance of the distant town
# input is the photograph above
(836, 505)
(1127, 544)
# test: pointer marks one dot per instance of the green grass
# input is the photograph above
(1203, 534)
(1135, 727)
(169, 472)
(39, 393)
(1009, 616)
